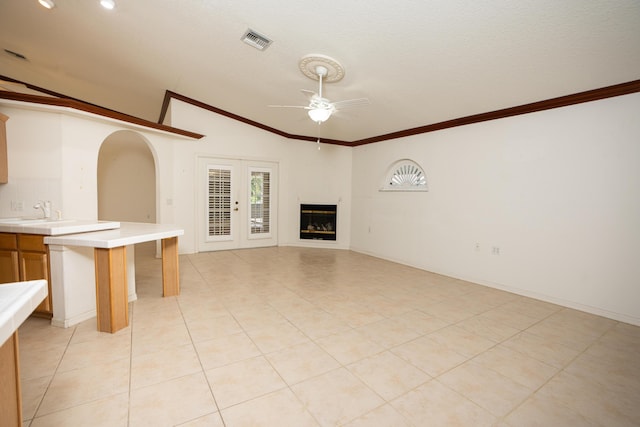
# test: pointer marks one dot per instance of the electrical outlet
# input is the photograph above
(477, 247)
(495, 250)
(17, 205)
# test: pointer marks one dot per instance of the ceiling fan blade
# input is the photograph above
(350, 103)
(308, 93)
(289, 106)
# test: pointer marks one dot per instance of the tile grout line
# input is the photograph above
(559, 370)
(264, 356)
(195, 349)
(55, 371)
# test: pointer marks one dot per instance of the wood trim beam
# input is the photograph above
(90, 108)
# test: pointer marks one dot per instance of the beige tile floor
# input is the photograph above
(319, 337)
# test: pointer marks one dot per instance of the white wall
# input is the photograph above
(558, 192)
(35, 166)
(53, 155)
(306, 174)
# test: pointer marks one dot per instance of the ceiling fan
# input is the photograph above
(323, 68)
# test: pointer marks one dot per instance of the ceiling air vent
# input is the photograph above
(256, 40)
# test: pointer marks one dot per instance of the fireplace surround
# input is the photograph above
(318, 222)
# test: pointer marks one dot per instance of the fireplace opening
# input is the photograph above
(318, 222)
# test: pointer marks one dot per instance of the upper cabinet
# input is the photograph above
(4, 166)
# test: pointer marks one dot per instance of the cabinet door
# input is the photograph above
(9, 270)
(4, 166)
(35, 266)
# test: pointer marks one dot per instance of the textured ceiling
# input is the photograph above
(419, 62)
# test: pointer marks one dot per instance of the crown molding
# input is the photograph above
(169, 95)
(562, 101)
(548, 104)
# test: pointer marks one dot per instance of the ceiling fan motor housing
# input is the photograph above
(322, 103)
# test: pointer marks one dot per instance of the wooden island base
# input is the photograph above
(111, 283)
(110, 262)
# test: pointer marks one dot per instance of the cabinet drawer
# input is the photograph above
(8, 241)
(31, 242)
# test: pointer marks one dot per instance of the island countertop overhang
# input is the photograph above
(129, 233)
(17, 302)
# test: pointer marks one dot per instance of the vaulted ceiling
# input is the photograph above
(418, 62)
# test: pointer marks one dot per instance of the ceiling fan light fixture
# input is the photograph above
(49, 4)
(319, 115)
(108, 4)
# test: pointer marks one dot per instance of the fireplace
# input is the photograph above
(318, 222)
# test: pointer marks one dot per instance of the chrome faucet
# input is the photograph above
(45, 206)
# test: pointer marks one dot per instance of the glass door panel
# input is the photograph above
(260, 202)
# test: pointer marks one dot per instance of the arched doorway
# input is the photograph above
(126, 179)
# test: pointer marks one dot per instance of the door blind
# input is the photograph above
(219, 203)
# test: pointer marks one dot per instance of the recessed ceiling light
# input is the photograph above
(108, 4)
(49, 4)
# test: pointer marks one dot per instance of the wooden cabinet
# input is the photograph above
(4, 164)
(25, 257)
(9, 267)
(33, 256)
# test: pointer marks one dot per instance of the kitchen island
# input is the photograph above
(110, 266)
(24, 255)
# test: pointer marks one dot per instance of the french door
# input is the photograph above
(237, 204)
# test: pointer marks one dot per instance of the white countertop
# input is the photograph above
(17, 302)
(53, 227)
(129, 233)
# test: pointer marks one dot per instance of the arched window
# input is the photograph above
(405, 175)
